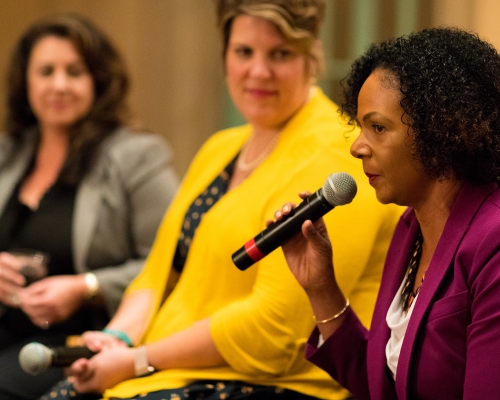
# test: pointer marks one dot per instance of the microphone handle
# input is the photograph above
(312, 207)
(64, 356)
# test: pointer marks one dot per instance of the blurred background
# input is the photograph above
(173, 53)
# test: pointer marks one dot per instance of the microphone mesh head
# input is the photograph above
(339, 189)
(35, 358)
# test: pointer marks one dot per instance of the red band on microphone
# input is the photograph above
(253, 251)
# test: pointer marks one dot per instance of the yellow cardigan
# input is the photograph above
(261, 318)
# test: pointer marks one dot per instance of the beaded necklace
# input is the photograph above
(407, 294)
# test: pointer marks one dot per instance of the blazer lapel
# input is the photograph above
(87, 204)
(13, 170)
(398, 255)
(85, 218)
(463, 211)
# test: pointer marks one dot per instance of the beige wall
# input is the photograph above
(480, 16)
(171, 48)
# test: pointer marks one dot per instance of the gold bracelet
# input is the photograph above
(324, 321)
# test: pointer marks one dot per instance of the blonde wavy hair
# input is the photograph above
(298, 21)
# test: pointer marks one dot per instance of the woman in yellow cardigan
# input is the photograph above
(198, 323)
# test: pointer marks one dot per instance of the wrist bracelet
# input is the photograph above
(324, 321)
(141, 363)
(120, 335)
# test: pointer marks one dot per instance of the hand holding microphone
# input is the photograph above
(339, 189)
(36, 358)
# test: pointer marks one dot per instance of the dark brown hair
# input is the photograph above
(109, 109)
(298, 21)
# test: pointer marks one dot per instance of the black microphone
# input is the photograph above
(36, 358)
(339, 189)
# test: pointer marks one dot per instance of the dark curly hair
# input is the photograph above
(450, 85)
(109, 109)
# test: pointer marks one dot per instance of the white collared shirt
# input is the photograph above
(397, 321)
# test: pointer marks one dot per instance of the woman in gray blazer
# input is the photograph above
(74, 184)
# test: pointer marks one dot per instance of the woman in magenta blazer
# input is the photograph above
(428, 105)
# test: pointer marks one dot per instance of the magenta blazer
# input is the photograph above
(451, 349)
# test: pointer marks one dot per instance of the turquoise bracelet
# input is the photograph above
(119, 335)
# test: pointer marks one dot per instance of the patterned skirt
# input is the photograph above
(206, 390)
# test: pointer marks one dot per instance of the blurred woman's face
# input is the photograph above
(60, 88)
(384, 144)
(266, 76)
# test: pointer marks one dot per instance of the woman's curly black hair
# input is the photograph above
(450, 85)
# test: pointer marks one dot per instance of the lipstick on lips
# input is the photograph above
(261, 93)
(371, 178)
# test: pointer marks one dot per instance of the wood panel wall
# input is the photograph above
(173, 53)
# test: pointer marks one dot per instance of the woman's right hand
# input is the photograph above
(11, 279)
(309, 253)
(310, 258)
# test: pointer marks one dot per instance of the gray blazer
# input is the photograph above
(118, 206)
